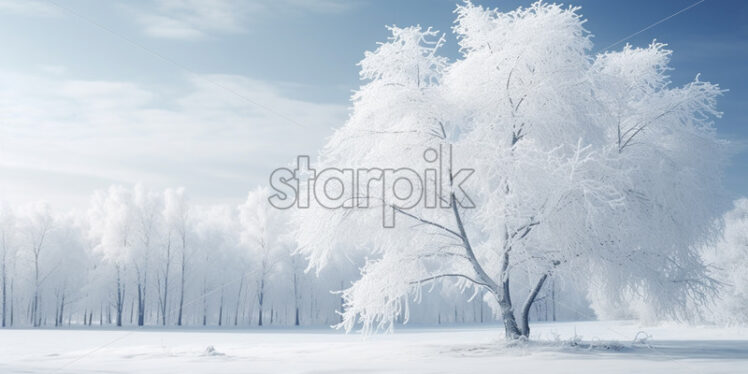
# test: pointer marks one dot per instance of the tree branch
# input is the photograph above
(469, 249)
(398, 209)
(435, 277)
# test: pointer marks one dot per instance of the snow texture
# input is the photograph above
(561, 347)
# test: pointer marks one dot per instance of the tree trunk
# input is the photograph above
(11, 302)
(166, 284)
(220, 310)
(295, 297)
(141, 296)
(553, 299)
(524, 322)
(35, 302)
(481, 306)
(5, 278)
(141, 304)
(181, 291)
(261, 297)
(511, 331)
(120, 298)
(62, 307)
(238, 300)
(205, 302)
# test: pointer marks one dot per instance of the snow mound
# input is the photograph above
(211, 351)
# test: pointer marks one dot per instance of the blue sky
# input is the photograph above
(164, 92)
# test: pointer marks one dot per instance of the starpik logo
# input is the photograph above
(394, 189)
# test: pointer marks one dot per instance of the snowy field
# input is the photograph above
(610, 347)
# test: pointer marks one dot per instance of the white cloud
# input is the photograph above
(28, 8)
(194, 19)
(170, 28)
(189, 19)
(62, 132)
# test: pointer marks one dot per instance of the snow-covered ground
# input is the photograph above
(610, 347)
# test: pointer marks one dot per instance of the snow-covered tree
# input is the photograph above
(36, 224)
(176, 214)
(265, 234)
(667, 163)
(147, 208)
(728, 258)
(112, 229)
(69, 266)
(580, 166)
(217, 250)
(8, 248)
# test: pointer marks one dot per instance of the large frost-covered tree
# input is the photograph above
(551, 161)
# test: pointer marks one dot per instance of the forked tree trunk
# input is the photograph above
(511, 331)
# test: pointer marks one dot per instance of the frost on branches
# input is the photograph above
(728, 258)
(588, 168)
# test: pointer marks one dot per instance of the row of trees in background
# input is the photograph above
(139, 257)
